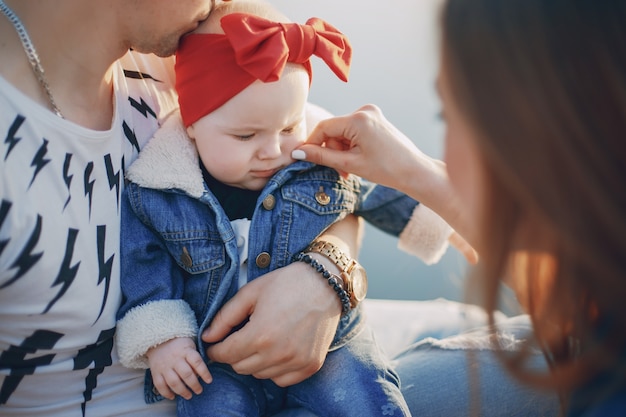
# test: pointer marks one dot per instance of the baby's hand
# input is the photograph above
(176, 366)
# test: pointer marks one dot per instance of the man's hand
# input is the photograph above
(176, 366)
(293, 316)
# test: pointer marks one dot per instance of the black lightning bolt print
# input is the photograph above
(11, 139)
(142, 107)
(39, 160)
(14, 358)
(26, 259)
(104, 267)
(67, 178)
(130, 135)
(113, 176)
(100, 355)
(139, 75)
(67, 273)
(88, 184)
(123, 167)
(5, 206)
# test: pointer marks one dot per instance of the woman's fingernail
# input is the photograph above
(298, 154)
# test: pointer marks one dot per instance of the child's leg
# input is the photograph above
(356, 380)
(229, 394)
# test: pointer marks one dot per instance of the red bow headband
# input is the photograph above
(213, 68)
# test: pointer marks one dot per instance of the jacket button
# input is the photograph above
(185, 258)
(269, 202)
(321, 197)
(263, 260)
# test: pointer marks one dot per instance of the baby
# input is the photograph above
(215, 200)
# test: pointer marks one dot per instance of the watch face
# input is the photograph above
(359, 283)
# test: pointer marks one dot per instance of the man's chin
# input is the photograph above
(163, 55)
(162, 51)
(165, 52)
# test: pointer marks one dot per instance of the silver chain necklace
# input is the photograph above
(31, 53)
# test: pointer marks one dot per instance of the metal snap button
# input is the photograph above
(263, 260)
(321, 197)
(269, 202)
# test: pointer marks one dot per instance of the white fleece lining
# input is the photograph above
(169, 160)
(425, 236)
(149, 325)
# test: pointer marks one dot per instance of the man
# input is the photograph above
(75, 109)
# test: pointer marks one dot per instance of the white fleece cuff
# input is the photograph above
(149, 325)
(425, 235)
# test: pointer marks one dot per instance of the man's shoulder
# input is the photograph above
(150, 78)
(145, 96)
(148, 67)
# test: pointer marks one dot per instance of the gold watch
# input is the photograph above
(352, 273)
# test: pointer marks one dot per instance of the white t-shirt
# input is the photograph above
(59, 249)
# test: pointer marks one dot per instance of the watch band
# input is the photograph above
(352, 275)
(332, 252)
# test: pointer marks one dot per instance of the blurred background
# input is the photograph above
(394, 66)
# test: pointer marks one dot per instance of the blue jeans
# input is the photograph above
(458, 376)
(447, 368)
(355, 380)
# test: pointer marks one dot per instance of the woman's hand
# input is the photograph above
(460, 244)
(365, 143)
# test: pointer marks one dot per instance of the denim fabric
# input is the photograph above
(432, 369)
(175, 246)
(355, 381)
(439, 382)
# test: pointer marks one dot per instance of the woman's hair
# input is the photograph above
(543, 85)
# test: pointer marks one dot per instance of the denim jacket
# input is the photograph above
(179, 254)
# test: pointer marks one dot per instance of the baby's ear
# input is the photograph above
(191, 133)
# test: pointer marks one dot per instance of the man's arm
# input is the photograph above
(292, 318)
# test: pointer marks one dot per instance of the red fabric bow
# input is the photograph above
(211, 68)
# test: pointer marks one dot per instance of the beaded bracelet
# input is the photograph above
(333, 280)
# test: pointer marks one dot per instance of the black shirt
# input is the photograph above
(238, 203)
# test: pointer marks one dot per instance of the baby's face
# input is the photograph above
(211, 24)
(250, 138)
